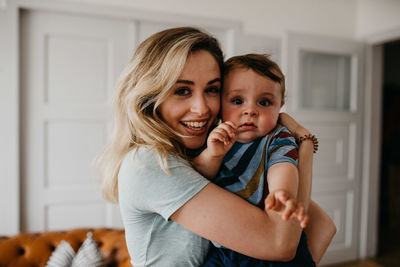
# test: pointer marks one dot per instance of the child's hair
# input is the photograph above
(261, 64)
(145, 83)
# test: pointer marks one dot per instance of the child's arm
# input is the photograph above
(283, 177)
(219, 141)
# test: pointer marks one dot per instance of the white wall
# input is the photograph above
(377, 17)
(350, 19)
(9, 147)
(267, 17)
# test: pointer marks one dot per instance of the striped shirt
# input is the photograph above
(244, 168)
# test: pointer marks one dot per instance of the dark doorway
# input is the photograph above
(389, 214)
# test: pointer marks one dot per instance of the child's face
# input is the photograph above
(252, 102)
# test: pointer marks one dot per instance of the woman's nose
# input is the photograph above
(199, 106)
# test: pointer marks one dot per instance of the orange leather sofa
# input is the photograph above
(34, 249)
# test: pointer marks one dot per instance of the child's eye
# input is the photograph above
(265, 102)
(182, 91)
(237, 101)
(213, 89)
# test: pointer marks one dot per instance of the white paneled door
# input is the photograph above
(325, 93)
(69, 65)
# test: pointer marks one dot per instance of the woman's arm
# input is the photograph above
(320, 232)
(306, 151)
(320, 229)
(227, 219)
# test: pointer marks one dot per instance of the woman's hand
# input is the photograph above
(286, 207)
(221, 139)
(293, 126)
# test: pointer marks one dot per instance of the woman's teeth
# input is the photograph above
(194, 124)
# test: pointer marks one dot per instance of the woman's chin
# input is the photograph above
(194, 142)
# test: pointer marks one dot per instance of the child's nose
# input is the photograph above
(250, 111)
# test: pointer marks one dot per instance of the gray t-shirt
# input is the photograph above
(147, 198)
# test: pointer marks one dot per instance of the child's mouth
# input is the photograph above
(248, 126)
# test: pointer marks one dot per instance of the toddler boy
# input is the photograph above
(262, 156)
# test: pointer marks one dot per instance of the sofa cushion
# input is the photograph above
(35, 249)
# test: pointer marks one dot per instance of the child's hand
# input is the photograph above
(286, 206)
(221, 139)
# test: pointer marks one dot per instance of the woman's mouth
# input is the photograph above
(195, 127)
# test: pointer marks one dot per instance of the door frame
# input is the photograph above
(10, 15)
(372, 141)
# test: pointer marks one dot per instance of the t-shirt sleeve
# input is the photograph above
(144, 187)
(283, 148)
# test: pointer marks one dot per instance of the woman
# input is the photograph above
(168, 100)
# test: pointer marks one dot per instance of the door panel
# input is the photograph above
(325, 94)
(69, 66)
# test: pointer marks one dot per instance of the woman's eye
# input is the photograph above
(182, 91)
(265, 102)
(237, 101)
(213, 89)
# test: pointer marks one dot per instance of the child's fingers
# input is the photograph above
(230, 128)
(231, 124)
(304, 222)
(300, 212)
(269, 201)
(301, 215)
(219, 134)
(282, 196)
(290, 208)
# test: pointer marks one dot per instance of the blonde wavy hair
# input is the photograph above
(144, 84)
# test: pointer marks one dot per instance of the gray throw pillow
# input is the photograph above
(62, 256)
(88, 254)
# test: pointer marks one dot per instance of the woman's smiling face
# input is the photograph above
(194, 104)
